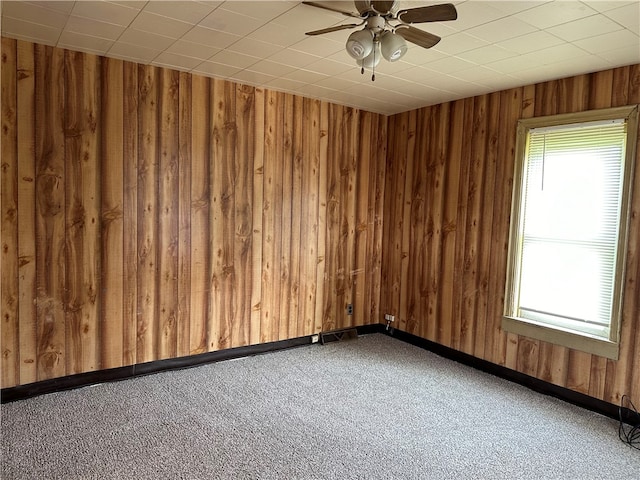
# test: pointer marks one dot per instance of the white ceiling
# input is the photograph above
(493, 45)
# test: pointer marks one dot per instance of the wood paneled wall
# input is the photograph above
(446, 226)
(150, 214)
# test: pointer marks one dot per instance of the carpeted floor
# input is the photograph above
(371, 408)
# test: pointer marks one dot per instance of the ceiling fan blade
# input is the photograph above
(417, 36)
(382, 7)
(432, 13)
(333, 29)
(332, 9)
(362, 6)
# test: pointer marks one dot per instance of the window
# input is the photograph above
(568, 228)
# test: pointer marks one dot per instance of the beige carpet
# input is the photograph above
(371, 408)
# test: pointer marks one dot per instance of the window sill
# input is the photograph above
(558, 336)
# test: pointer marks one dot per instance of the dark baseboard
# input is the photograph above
(21, 392)
(585, 401)
(70, 382)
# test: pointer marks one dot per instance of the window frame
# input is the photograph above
(608, 348)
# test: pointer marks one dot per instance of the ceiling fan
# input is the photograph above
(387, 29)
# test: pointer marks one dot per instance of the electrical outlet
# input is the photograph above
(349, 309)
(389, 318)
(315, 338)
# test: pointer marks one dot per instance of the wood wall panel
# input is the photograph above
(168, 209)
(183, 317)
(50, 212)
(478, 144)
(82, 210)
(9, 222)
(631, 329)
(150, 214)
(27, 219)
(112, 213)
(199, 210)
(130, 213)
(147, 215)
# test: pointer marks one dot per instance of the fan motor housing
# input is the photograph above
(376, 24)
(365, 6)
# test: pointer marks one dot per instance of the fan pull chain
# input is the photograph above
(373, 69)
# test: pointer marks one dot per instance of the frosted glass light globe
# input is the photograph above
(360, 44)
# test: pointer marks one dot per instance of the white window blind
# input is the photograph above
(569, 226)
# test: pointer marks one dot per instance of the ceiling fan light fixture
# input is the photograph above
(371, 60)
(393, 46)
(360, 44)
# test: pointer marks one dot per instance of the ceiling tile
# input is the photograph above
(250, 46)
(194, 50)
(474, 13)
(212, 38)
(419, 56)
(336, 83)
(622, 56)
(530, 42)
(151, 22)
(458, 43)
(603, 43)
(34, 13)
(539, 58)
(87, 26)
(355, 75)
(551, 71)
(253, 78)
(501, 30)
(277, 35)
(627, 16)
(285, 84)
(263, 10)
(135, 53)
(231, 22)
(176, 9)
(293, 57)
(31, 32)
(319, 46)
(606, 5)
(511, 7)
(179, 62)
(447, 82)
(486, 76)
(309, 18)
(138, 4)
(418, 75)
(584, 28)
(84, 43)
(106, 12)
(493, 44)
(449, 64)
(443, 30)
(271, 68)
(316, 90)
(145, 39)
(367, 89)
(216, 69)
(341, 56)
(58, 6)
(234, 59)
(482, 55)
(306, 76)
(328, 67)
(555, 13)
